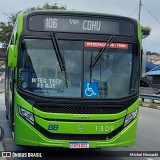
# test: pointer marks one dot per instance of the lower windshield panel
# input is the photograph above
(40, 71)
(115, 75)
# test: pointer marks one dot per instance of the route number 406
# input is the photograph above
(104, 128)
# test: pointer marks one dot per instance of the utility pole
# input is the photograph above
(140, 4)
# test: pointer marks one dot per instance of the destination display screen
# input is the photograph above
(80, 25)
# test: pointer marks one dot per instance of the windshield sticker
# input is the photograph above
(103, 44)
(90, 90)
(47, 83)
(24, 85)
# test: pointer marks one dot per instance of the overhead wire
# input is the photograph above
(147, 11)
(150, 13)
(133, 12)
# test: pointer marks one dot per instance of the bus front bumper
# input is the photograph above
(29, 136)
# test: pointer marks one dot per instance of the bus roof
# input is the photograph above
(50, 11)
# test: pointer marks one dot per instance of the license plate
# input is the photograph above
(79, 145)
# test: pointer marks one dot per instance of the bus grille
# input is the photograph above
(84, 137)
(76, 109)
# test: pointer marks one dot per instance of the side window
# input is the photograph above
(14, 35)
(12, 40)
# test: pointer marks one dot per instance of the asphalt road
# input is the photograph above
(148, 139)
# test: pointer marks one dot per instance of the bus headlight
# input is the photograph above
(130, 117)
(26, 115)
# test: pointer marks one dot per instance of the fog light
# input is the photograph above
(26, 115)
(130, 117)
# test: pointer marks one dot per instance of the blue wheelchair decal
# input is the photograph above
(90, 89)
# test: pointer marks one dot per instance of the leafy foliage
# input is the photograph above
(149, 53)
(6, 28)
(48, 6)
(145, 31)
(146, 28)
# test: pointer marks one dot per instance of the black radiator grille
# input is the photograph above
(76, 109)
(84, 137)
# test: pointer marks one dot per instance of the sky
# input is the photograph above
(127, 8)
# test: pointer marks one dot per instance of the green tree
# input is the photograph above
(149, 53)
(6, 28)
(145, 31)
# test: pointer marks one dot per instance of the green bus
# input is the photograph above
(72, 79)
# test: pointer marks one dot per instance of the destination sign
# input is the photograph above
(80, 25)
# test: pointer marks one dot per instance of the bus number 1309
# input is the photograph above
(104, 128)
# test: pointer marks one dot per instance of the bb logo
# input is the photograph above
(53, 127)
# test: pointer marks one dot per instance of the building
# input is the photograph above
(154, 76)
(151, 82)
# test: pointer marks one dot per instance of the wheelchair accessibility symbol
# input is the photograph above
(90, 89)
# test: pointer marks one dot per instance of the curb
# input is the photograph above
(1, 92)
(1, 147)
(150, 106)
(1, 137)
(2, 150)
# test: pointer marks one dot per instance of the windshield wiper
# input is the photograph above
(91, 58)
(60, 58)
(58, 53)
(102, 51)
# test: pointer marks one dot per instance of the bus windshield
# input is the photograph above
(114, 76)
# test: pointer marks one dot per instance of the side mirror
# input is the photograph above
(11, 56)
